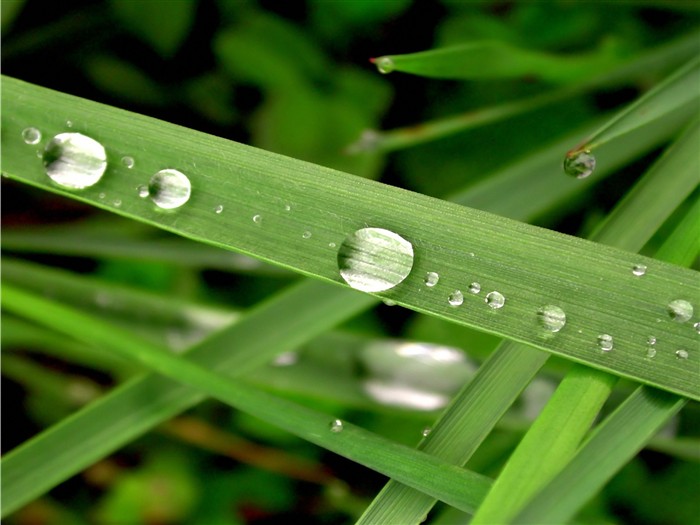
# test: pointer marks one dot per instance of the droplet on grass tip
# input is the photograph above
(374, 259)
(495, 300)
(31, 136)
(169, 189)
(552, 317)
(639, 269)
(579, 164)
(605, 342)
(680, 310)
(384, 65)
(74, 161)
(336, 426)
(456, 298)
(431, 279)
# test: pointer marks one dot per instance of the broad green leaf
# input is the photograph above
(299, 224)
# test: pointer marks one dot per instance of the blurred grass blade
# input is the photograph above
(497, 60)
(137, 406)
(454, 485)
(678, 92)
(682, 247)
(479, 405)
(448, 238)
(608, 449)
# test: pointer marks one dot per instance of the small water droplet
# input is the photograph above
(74, 161)
(495, 300)
(651, 352)
(69, 123)
(286, 359)
(384, 65)
(287, 207)
(456, 298)
(374, 259)
(331, 245)
(651, 340)
(552, 317)
(682, 354)
(639, 270)
(431, 279)
(697, 327)
(389, 302)
(31, 135)
(128, 162)
(102, 195)
(306, 235)
(579, 164)
(605, 342)
(336, 426)
(143, 191)
(117, 203)
(680, 310)
(474, 288)
(169, 189)
(219, 209)
(426, 431)
(257, 219)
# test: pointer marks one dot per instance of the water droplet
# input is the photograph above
(287, 207)
(117, 203)
(651, 352)
(639, 270)
(426, 431)
(374, 259)
(495, 300)
(431, 279)
(69, 123)
(552, 317)
(384, 65)
(219, 209)
(474, 288)
(31, 135)
(680, 310)
(74, 161)
(579, 164)
(286, 359)
(389, 302)
(336, 426)
(257, 219)
(681, 354)
(306, 235)
(169, 189)
(456, 298)
(143, 191)
(128, 162)
(102, 195)
(331, 245)
(605, 342)
(697, 327)
(651, 340)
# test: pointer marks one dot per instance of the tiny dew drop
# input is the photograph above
(552, 317)
(143, 191)
(456, 298)
(117, 203)
(474, 288)
(579, 164)
(219, 209)
(651, 352)
(426, 431)
(74, 161)
(306, 235)
(697, 327)
(169, 189)
(287, 207)
(384, 65)
(102, 195)
(495, 300)
(389, 302)
(331, 245)
(69, 123)
(31, 136)
(431, 279)
(128, 162)
(336, 426)
(374, 259)
(257, 219)
(605, 342)
(651, 340)
(680, 310)
(681, 354)
(639, 270)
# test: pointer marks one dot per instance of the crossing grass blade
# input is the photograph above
(447, 238)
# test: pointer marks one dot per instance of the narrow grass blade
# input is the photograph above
(456, 486)
(682, 247)
(447, 238)
(497, 60)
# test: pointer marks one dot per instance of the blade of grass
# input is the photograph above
(448, 238)
(456, 486)
(477, 408)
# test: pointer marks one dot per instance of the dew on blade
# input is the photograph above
(431, 279)
(219, 209)
(426, 431)
(143, 191)
(474, 288)
(682, 354)
(639, 269)
(128, 162)
(579, 164)
(169, 189)
(306, 235)
(552, 317)
(456, 298)
(680, 310)
(495, 300)
(605, 342)
(336, 426)
(74, 161)
(697, 327)
(257, 219)
(374, 259)
(31, 136)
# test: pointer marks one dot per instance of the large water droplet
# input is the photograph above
(169, 189)
(384, 65)
(31, 136)
(552, 317)
(336, 426)
(474, 288)
(495, 300)
(681, 354)
(74, 161)
(579, 164)
(431, 279)
(680, 310)
(456, 298)
(374, 259)
(639, 270)
(605, 342)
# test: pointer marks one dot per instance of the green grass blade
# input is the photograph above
(682, 247)
(136, 407)
(448, 238)
(496, 60)
(611, 445)
(456, 486)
